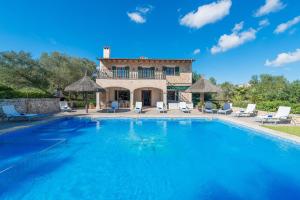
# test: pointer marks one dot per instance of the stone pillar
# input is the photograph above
(98, 106)
(165, 100)
(106, 98)
(131, 99)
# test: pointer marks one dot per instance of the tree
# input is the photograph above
(213, 80)
(294, 92)
(272, 87)
(254, 80)
(19, 70)
(228, 90)
(195, 76)
(64, 70)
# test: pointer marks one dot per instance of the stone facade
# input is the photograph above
(185, 68)
(39, 106)
(141, 76)
(184, 79)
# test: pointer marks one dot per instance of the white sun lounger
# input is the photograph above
(183, 107)
(138, 107)
(296, 120)
(64, 107)
(160, 107)
(11, 113)
(282, 115)
(250, 111)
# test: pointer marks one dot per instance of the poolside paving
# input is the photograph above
(248, 122)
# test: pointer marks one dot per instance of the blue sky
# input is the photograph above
(230, 39)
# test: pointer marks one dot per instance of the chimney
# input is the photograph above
(106, 52)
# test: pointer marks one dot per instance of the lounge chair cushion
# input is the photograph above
(64, 106)
(160, 107)
(138, 107)
(250, 110)
(11, 112)
(282, 114)
(183, 107)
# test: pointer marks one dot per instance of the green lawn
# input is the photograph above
(294, 130)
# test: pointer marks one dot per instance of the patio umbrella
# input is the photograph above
(84, 86)
(203, 86)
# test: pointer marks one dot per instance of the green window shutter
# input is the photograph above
(152, 72)
(140, 72)
(113, 68)
(116, 95)
(177, 72)
(164, 70)
(127, 71)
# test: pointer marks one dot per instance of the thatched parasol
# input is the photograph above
(203, 86)
(84, 85)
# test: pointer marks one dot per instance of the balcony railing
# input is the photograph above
(127, 74)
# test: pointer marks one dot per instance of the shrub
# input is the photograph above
(272, 106)
(33, 93)
(216, 105)
(7, 92)
(10, 93)
(240, 104)
(78, 103)
(296, 108)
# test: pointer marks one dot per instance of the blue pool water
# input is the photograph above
(80, 158)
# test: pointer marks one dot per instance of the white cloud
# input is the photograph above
(206, 14)
(284, 58)
(235, 39)
(139, 15)
(196, 51)
(136, 17)
(145, 9)
(238, 27)
(284, 26)
(269, 7)
(264, 23)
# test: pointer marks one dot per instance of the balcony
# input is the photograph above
(131, 75)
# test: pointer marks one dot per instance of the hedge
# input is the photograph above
(271, 106)
(9, 93)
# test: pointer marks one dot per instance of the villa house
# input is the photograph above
(128, 80)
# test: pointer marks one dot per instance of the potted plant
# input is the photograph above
(200, 106)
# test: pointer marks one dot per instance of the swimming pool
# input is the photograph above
(83, 158)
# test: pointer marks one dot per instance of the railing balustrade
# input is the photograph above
(126, 74)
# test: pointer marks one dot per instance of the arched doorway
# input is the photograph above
(149, 96)
(119, 94)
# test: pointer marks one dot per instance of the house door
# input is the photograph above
(146, 97)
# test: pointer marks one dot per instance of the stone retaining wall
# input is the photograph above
(22, 105)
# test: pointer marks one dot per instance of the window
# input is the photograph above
(120, 72)
(172, 96)
(171, 71)
(122, 95)
(146, 72)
